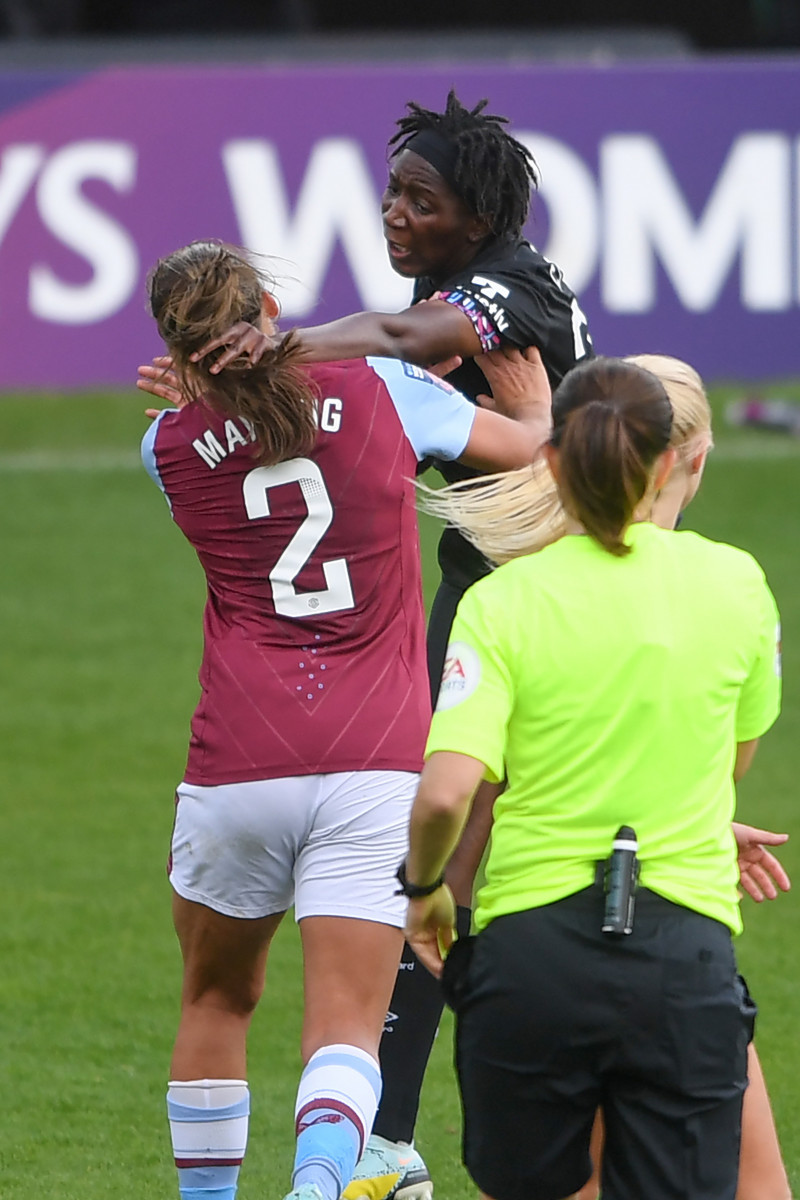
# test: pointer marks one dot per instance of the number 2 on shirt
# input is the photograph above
(337, 596)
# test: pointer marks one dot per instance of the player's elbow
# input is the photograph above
(447, 784)
(407, 341)
(441, 805)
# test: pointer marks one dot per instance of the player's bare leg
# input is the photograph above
(416, 1009)
(762, 1175)
(224, 959)
(208, 1102)
(591, 1189)
(349, 971)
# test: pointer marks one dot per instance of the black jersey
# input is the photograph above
(511, 294)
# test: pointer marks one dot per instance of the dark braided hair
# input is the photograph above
(493, 174)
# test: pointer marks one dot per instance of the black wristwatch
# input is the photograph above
(415, 891)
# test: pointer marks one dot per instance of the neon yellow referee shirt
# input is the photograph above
(612, 691)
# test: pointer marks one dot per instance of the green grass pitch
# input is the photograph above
(100, 604)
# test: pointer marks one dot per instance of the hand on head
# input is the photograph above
(240, 341)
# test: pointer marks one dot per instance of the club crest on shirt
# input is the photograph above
(460, 677)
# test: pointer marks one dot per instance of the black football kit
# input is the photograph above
(512, 294)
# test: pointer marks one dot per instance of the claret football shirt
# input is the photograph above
(313, 656)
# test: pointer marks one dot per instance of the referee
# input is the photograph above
(627, 684)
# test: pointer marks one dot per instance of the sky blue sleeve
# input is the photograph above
(149, 452)
(436, 418)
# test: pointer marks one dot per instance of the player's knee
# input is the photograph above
(231, 997)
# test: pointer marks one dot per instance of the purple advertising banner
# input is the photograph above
(670, 198)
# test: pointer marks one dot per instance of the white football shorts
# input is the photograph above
(329, 844)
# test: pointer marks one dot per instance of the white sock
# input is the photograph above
(336, 1104)
(208, 1121)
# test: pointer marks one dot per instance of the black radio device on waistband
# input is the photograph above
(620, 878)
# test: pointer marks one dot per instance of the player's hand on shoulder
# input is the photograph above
(159, 379)
(760, 873)
(515, 376)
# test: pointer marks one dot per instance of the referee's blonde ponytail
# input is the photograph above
(197, 293)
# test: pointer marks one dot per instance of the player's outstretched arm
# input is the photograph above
(424, 334)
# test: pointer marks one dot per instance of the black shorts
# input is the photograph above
(555, 1018)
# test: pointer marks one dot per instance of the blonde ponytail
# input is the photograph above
(504, 515)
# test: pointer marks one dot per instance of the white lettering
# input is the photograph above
(107, 247)
(337, 201)
(210, 449)
(234, 435)
(18, 168)
(331, 420)
(747, 214)
(569, 192)
(489, 288)
(581, 338)
(500, 320)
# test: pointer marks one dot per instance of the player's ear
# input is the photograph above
(269, 306)
(480, 228)
(698, 462)
(665, 463)
(551, 454)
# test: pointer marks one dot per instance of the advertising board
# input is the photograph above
(669, 197)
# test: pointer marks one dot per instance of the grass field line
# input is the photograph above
(109, 459)
(71, 460)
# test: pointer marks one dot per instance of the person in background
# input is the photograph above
(293, 485)
(624, 691)
(457, 198)
(519, 512)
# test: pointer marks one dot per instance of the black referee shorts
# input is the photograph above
(555, 1018)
